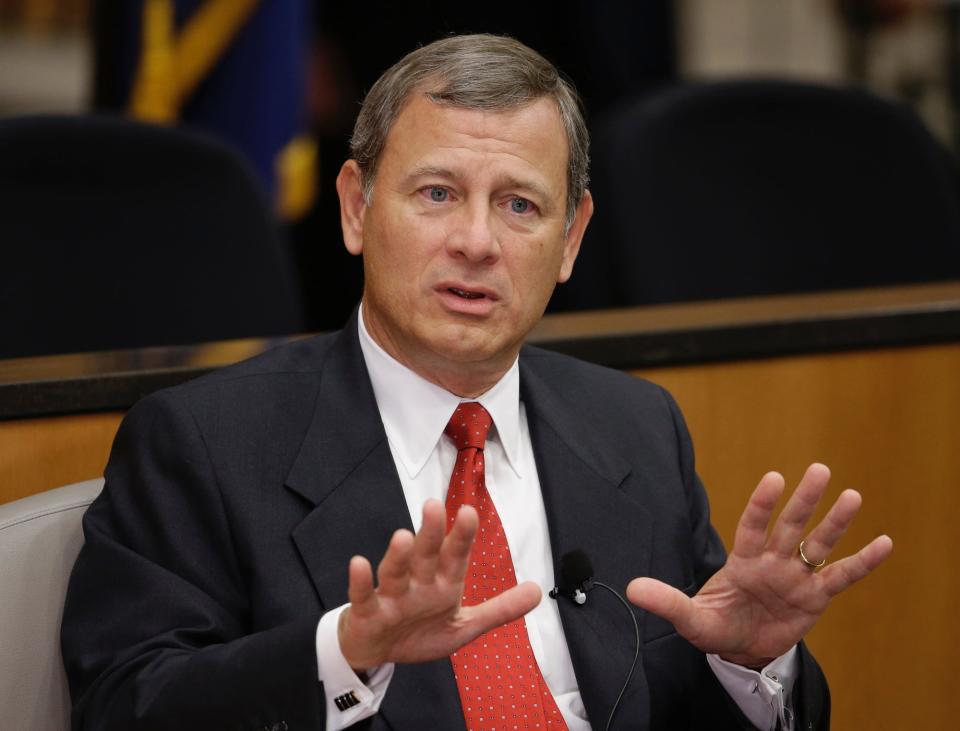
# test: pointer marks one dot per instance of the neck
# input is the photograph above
(466, 379)
(459, 385)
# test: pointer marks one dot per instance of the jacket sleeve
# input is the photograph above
(156, 628)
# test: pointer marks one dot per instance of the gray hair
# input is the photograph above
(487, 72)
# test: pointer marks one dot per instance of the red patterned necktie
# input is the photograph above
(500, 683)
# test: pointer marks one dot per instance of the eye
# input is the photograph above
(437, 194)
(520, 205)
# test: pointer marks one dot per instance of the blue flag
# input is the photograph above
(234, 68)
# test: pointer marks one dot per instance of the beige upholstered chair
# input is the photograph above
(40, 537)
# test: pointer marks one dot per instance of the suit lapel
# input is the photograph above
(581, 479)
(346, 471)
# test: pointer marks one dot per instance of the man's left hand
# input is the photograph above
(766, 597)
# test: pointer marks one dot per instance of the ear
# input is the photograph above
(352, 206)
(571, 244)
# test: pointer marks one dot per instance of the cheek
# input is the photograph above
(532, 282)
(389, 246)
(539, 265)
(402, 269)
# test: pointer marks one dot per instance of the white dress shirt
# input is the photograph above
(414, 414)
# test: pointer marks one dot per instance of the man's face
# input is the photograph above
(465, 236)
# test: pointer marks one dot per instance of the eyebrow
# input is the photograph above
(509, 182)
(427, 171)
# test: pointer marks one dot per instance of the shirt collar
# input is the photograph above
(415, 412)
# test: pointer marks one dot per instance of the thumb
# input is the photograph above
(665, 601)
(506, 607)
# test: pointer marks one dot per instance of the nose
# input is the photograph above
(473, 236)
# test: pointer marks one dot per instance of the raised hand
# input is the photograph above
(767, 597)
(414, 612)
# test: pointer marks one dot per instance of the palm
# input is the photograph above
(415, 614)
(765, 599)
(757, 607)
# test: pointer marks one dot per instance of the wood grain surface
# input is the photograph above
(888, 424)
(40, 454)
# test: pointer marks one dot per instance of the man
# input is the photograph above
(214, 584)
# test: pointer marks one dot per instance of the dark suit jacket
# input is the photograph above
(233, 504)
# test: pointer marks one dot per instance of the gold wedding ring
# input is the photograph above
(807, 562)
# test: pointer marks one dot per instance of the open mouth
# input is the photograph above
(465, 294)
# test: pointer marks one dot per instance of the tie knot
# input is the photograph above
(469, 425)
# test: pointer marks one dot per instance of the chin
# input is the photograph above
(464, 348)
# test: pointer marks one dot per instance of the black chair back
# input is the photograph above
(116, 234)
(760, 187)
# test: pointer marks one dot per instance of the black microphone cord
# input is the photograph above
(636, 654)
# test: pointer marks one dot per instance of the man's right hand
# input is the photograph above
(414, 613)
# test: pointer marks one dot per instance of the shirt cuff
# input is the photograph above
(349, 699)
(764, 696)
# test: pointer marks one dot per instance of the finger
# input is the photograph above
(751, 535)
(667, 602)
(792, 523)
(393, 573)
(426, 545)
(360, 589)
(818, 545)
(455, 551)
(843, 573)
(506, 607)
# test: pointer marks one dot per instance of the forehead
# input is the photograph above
(528, 140)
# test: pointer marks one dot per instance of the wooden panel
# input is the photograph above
(634, 337)
(888, 424)
(819, 307)
(39, 454)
